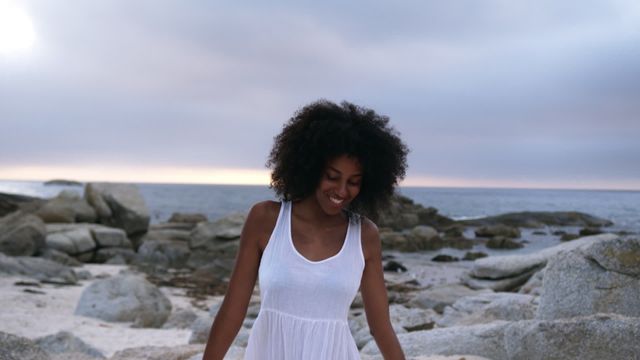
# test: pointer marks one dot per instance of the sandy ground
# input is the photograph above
(35, 315)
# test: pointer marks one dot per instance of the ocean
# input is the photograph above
(621, 207)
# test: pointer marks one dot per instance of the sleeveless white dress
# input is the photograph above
(304, 303)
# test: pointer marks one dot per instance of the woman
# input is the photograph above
(313, 250)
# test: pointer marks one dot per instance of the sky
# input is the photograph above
(537, 94)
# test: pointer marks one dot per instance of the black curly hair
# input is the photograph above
(323, 130)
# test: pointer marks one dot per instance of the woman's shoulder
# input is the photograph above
(261, 221)
(370, 237)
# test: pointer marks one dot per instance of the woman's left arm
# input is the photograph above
(374, 294)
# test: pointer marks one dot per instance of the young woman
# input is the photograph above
(332, 165)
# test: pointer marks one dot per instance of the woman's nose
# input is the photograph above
(342, 190)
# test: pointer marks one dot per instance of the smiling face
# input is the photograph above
(339, 185)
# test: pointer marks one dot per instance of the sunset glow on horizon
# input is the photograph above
(247, 176)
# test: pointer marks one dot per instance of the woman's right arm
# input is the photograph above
(233, 310)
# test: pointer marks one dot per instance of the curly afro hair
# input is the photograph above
(323, 130)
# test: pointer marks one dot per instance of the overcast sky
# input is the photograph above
(485, 93)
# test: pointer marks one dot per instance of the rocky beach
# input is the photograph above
(90, 276)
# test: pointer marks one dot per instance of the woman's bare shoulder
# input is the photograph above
(262, 220)
(370, 238)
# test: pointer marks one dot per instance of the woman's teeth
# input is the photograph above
(335, 200)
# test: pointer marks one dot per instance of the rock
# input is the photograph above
(110, 237)
(601, 278)
(106, 255)
(418, 238)
(590, 231)
(569, 237)
(444, 258)
(201, 328)
(59, 257)
(14, 347)
(191, 218)
(595, 337)
(125, 298)
(473, 255)
(66, 342)
(512, 283)
(402, 213)
(438, 297)
(181, 319)
(10, 203)
(67, 207)
(539, 232)
(501, 242)
(167, 235)
(180, 352)
(498, 230)
(206, 234)
(62, 182)
(488, 307)
(533, 286)
(402, 318)
(119, 205)
(73, 242)
(537, 219)
(394, 266)
(164, 253)
(37, 268)
(172, 226)
(21, 234)
(499, 267)
(234, 353)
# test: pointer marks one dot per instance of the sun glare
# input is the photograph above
(17, 33)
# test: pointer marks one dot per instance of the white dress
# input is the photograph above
(304, 303)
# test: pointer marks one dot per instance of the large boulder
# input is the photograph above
(164, 253)
(64, 342)
(601, 278)
(538, 219)
(125, 298)
(206, 234)
(75, 242)
(596, 337)
(14, 347)
(498, 230)
(119, 205)
(67, 207)
(37, 268)
(489, 307)
(402, 213)
(10, 203)
(21, 234)
(440, 296)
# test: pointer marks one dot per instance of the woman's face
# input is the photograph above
(340, 184)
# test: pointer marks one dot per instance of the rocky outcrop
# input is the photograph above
(37, 268)
(439, 297)
(498, 230)
(521, 267)
(10, 203)
(21, 234)
(119, 205)
(165, 253)
(487, 308)
(14, 347)
(67, 207)
(125, 298)
(65, 342)
(601, 278)
(537, 219)
(596, 337)
(88, 242)
(189, 218)
(403, 213)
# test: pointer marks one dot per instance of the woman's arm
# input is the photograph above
(374, 295)
(243, 278)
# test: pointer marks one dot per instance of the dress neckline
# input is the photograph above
(290, 236)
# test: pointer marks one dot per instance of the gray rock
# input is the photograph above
(167, 235)
(501, 242)
(181, 319)
(105, 255)
(206, 234)
(164, 253)
(37, 268)
(73, 242)
(499, 267)
(125, 298)
(488, 307)
(66, 342)
(498, 230)
(201, 328)
(192, 218)
(537, 219)
(180, 352)
(110, 237)
(441, 296)
(602, 278)
(595, 337)
(67, 207)
(14, 347)
(119, 205)
(505, 284)
(21, 234)
(59, 257)
(533, 286)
